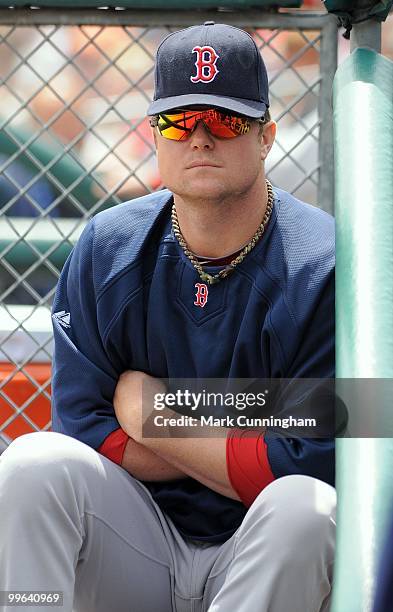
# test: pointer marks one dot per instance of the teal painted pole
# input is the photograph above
(363, 122)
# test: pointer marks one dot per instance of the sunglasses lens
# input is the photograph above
(226, 126)
(179, 126)
(176, 126)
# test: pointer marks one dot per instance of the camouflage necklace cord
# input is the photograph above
(212, 279)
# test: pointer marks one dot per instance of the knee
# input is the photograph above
(300, 497)
(38, 459)
(298, 512)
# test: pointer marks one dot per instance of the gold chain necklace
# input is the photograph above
(211, 279)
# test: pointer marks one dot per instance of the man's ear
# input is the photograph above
(267, 138)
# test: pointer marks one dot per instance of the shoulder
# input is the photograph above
(126, 219)
(302, 241)
(141, 207)
(115, 238)
(304, 227)
(129, 218)
(299, 256)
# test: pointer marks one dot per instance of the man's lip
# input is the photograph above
(197, 164)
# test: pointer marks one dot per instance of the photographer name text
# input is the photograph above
(229, 421)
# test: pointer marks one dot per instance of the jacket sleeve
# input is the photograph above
(255, 459)
(315, 359)
(114, 446)
(84, 378)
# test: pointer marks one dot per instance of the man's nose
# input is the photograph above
(201, 138)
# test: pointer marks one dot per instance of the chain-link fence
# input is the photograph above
(74, 139)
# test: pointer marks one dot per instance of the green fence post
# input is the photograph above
(363, 120)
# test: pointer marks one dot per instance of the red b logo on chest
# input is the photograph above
(205, 64)
(201, 294)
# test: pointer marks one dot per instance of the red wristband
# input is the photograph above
(248, 465)
(114, 446)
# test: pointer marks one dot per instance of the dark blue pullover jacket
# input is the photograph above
(126, 301)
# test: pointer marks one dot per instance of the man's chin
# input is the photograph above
(203, 190)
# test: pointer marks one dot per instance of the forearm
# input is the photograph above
(201, 458)
(144, 464)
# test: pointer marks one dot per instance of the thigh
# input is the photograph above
(126, 561)
(281, 557)
(86, 526)
(124, 565)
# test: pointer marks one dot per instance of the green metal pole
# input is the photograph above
(363, 122)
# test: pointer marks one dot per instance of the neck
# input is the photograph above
(216, 228)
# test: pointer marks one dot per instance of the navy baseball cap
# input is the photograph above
(212, 64)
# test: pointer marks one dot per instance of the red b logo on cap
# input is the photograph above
(206, 64)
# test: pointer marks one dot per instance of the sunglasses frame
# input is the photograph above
(187, 132)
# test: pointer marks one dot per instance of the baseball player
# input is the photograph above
(220, 275)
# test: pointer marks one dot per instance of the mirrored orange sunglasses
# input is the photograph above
(180, 124)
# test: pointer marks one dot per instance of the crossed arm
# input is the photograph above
(166, 458)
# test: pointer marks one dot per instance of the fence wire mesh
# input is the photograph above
(74, 140)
